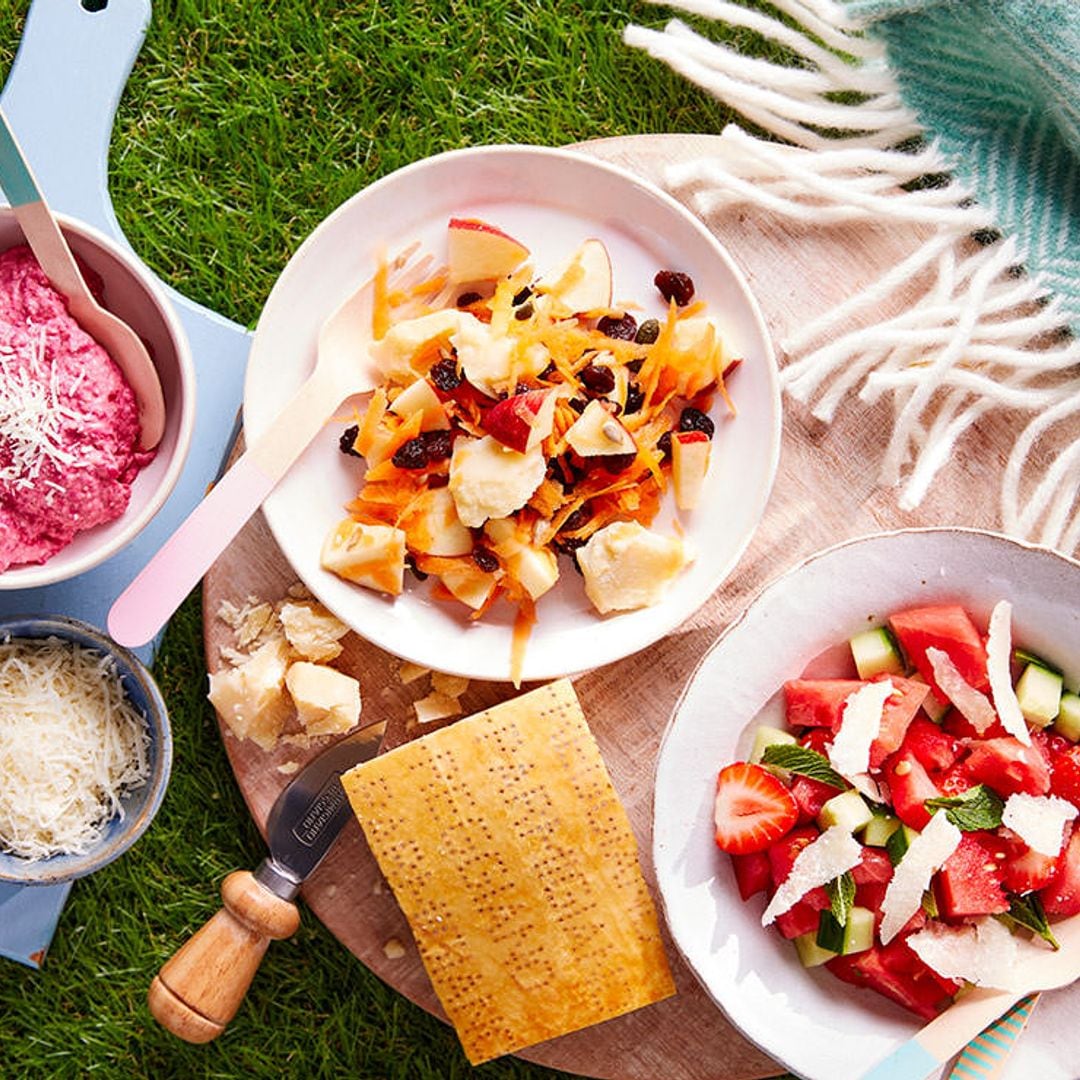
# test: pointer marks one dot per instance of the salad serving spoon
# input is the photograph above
(42, 233)
(946, 1036)
(342, 369)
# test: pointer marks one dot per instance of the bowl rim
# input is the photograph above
(51, 572)
(663, 620)
(157, 720)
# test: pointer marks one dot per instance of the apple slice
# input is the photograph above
(536, 568)
(597, 433)
(469, 584)
(522, 421)
(584, 282)
(479, 251)
(689, 463)
(432, 525)
(420, 396)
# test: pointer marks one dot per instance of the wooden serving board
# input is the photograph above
(825, 491)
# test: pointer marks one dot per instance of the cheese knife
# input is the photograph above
(199, 989)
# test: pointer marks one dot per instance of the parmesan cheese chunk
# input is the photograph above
(250, 698)
(833, 853)
(860, 722)
(327, 701)
(998, 652)
(925, 856)
(1039, 820)
(973, 705)
(313, 631)
(983, 952)
(71, 746)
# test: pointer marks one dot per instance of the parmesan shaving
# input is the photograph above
(998, 651)
(71, 747)
(972, 704)
(983, 953)
(860, 722)
(925, 856)
(833, 853)
(1039, 820)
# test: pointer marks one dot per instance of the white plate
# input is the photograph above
(551, 200)
(815, 1024)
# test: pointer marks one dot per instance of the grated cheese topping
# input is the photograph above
(1039, 820)
(904, 893)
(860, 722)
(983, 952)
(833, 853)
(71, 746)
(972, 704)
(998, 651)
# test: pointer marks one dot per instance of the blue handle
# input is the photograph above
(15, 176)
(910, 1062)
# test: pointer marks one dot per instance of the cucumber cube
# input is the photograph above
(878, 830)
(1068, 717)
(848, 810)
(810, 952)
(858, 931)
(1039, 693)
(897, 844)
(875, 653)
(765, 737)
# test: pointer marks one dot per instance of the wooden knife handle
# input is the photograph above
(198, 991)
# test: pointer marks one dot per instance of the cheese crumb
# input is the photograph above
(860, 722)
(436, 706)
(450, 685)
(972, 704)
(925, 856)
(409, 672)
(313, 631)
(1039, 820)
(998, 652)
(287, 768)
(833, 853)
(393, 949)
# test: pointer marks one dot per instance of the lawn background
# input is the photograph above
(242, 126)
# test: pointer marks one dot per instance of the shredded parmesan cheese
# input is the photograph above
(903, 894)
(830, 855)
(860, 722)
(71, 746)
(983, 953)
(972, 704)
(998, 651)
(1039, 820)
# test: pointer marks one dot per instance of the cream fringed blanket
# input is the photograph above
(960, 119)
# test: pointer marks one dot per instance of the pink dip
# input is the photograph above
(69, 427)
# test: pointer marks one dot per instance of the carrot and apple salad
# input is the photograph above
(525, 415)
(914, 825)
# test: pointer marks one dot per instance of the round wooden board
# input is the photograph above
(825, 491)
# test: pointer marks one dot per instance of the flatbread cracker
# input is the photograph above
(514, 863)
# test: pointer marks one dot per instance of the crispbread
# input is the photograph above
(513, 861)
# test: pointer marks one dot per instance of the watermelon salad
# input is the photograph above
(913, 826)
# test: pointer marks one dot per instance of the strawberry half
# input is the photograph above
(753, 809)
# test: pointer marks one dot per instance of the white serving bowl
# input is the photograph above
(818, 1026)
(132, 293)
(551, 200)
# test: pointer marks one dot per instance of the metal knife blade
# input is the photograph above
(305, 820)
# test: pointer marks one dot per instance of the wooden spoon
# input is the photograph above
(54, 256)
(342, 369)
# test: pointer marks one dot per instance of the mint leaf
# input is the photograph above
(805, 762)
(977, 808)
(841, 892)
(1028, 912)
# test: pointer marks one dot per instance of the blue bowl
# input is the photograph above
(140, 805)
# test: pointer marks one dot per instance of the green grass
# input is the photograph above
(243, 125)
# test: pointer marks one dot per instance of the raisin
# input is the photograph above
(411, 455)
(485, 559)
(467, 298)
(575, 521)
(691, 419)
(617, 463)
(646, 334)
(439, 445)
(414, 569)
(622, 329)
(548, 373)
(676, 286)
(577, 404)
(663, 444)
(597, 379)
(521, 296)
(634, 366)
(348, 438)
(524, 312)
(570, 545)
(445, 375)
(635, 398)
